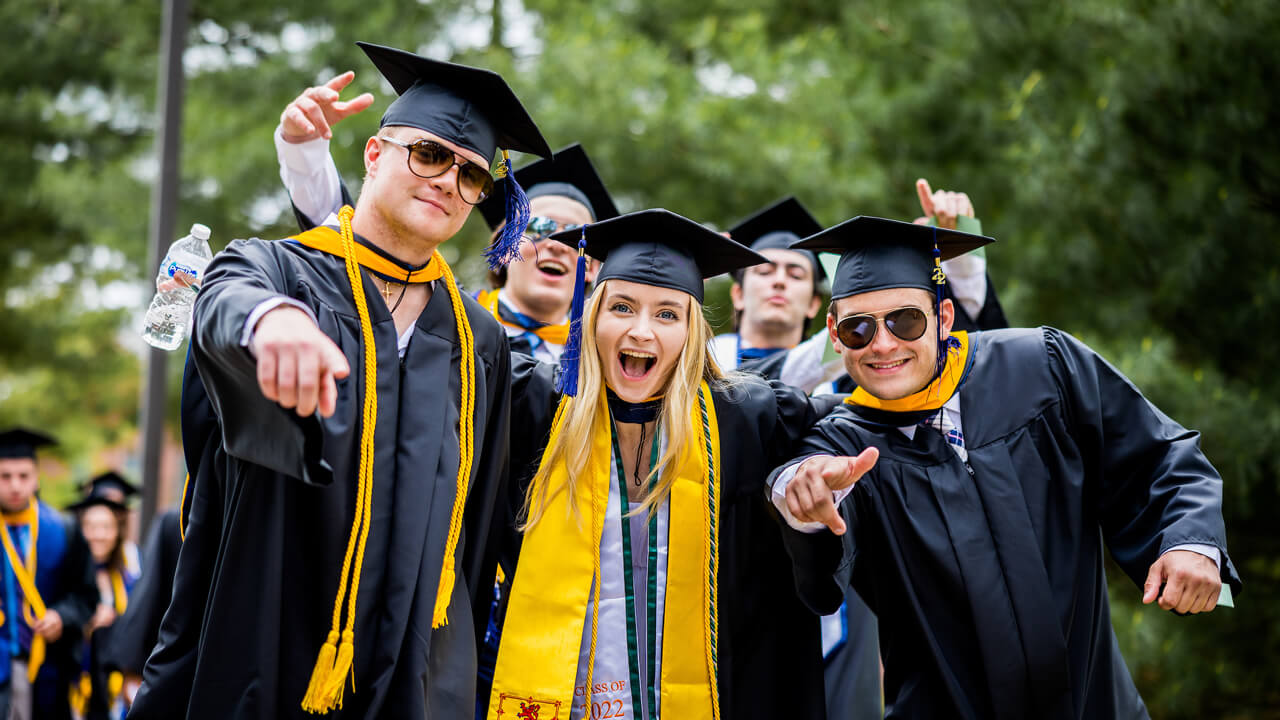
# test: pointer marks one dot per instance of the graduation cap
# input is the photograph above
(110, 485)
(471, 107)
(91, 500)
(878, 254)
(777, 227)
(652, 247)
(568, 173)
(22, 443)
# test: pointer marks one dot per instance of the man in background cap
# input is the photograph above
(338, 557)
(47, 592)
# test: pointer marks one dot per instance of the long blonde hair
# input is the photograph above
(582, 417)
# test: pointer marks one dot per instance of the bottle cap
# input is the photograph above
(200, 232)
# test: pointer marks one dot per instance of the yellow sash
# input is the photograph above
(934, 395)
(554, 334)
(558, 572)
(34, 608)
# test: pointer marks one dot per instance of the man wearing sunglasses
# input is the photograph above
(1008, 460)
(346, 520)
(529, 298)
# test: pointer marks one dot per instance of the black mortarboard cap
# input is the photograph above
(111, 485)
(569, 173)
(777, 227)
(878, 254)
(651, 247)
(470, 107)
(22, 443)
(91, 500)
(658, 247)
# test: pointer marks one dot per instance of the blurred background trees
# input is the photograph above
(1125, 154)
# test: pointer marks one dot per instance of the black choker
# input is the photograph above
(626, 412)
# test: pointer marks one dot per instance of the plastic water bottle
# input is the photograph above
(179, 279)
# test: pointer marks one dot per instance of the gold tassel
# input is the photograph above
(447, 577)
(312, 702)
(337, 683)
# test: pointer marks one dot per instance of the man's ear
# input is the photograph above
(372, 151)
(946, 317)
(735, 296)
(814, 306)
(831, 331)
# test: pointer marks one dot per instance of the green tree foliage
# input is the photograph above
(1123, 152)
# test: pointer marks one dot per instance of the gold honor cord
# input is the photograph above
(334, 662)
(34, 608)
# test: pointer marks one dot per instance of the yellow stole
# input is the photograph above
(334, 662)
(559, 571)
(554, 334)
(934, 395)
(33, 610)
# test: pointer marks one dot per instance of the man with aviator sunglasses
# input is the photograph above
(1008, 461)
(353, 506)
(529, 298)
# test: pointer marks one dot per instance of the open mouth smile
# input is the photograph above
(636, 364)
(553, 268)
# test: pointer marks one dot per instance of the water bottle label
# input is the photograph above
(175, 267)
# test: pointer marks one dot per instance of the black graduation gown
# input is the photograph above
(271, 507)
(770, 648)
(987, 577)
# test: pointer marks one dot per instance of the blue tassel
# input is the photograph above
(567, 381)
(939, 284)
(506, 247)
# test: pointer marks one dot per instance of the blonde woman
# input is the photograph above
(653, 578)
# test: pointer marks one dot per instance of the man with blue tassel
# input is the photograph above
(344, 519)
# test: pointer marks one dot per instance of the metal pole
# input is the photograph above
(164, 201)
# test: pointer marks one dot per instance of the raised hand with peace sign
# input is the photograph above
(313, 114)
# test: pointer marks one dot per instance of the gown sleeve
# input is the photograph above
(1156, 488)
(254, 428)
(820, 561)
(311, 178)
(533, 407)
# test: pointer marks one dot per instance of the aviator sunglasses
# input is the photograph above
(540, 227)
(857, 331)
(428, 159)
